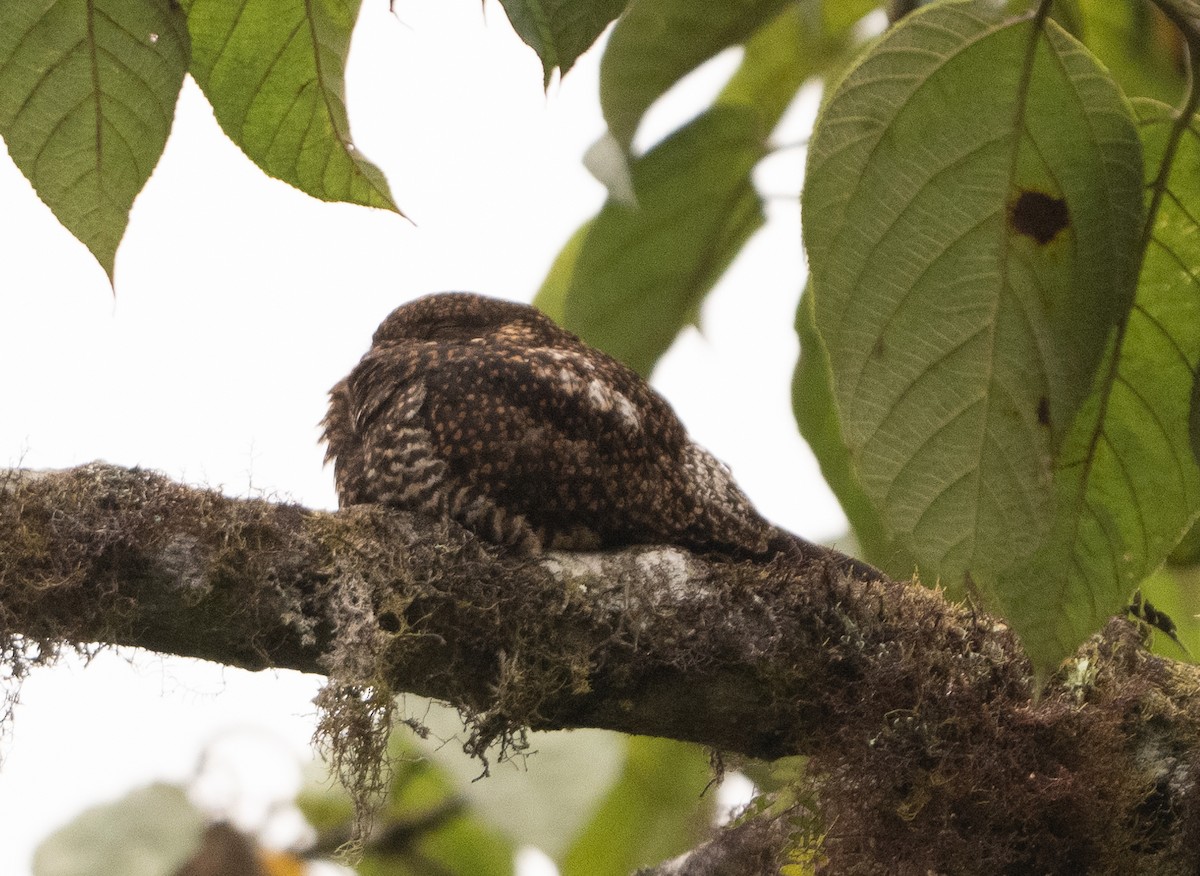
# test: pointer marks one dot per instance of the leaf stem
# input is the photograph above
(1189, 26)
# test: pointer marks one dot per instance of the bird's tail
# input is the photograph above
(790, 545)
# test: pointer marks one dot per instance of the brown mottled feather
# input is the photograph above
(487, 411)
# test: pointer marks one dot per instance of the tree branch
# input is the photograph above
(928, 750)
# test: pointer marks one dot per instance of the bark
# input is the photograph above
(930, 748)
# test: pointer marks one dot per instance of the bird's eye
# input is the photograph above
(451, 332)
(440, 331)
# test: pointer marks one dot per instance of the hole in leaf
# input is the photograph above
(1039, 216)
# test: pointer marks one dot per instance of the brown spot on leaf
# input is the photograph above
(878, 349)
(1039, 216)
(1043, 411)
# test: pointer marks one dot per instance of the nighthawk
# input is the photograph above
(488, 412)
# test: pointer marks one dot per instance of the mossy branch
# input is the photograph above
(927, 745)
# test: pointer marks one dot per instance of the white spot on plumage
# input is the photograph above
(600, 395)
(570, 380)
(629, 412)
(610, 400)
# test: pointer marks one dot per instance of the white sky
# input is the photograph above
(239, 301)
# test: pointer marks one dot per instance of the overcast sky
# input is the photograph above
(239, 301)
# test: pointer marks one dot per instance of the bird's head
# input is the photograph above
(463, 317)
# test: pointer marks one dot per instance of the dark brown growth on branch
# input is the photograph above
(487, 412)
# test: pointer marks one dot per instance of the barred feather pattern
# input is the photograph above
(487, 412)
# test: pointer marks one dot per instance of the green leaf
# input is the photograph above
(560, 30)
(817, 417)
(543, 800)
(429, 827)
(551, 298)
(839, 15)
(152, 831)
(1141, 49)
(656, 810)
(781, 56)
(770, 776)
(642, 270)
(1187, 552)
(274, 72)
(971, 213)
(87, 95)
(1128, 482)
(444, 835)
(657, 42)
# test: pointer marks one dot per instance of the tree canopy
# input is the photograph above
(1001, 328)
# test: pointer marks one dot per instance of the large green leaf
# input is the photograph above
(151, 831)
(656, 42)
(656, 810)
(780, 56)
(1128, 483)
(971, 212)
(87, 95)
(641, 270)
(560, 30)
(551, 298)
(817, 417)
(274, 72)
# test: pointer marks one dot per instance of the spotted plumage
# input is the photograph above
(488, 412)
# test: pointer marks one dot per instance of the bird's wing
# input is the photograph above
(586, 393)
(391, 382)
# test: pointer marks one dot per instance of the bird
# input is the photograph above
(487, 412)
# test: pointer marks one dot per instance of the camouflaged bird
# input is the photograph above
(489, 413)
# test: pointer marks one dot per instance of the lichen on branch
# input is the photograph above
(928, 749)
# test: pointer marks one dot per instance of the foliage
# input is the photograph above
(423, 825)
(1000, 334)
(596, 803)
(1013, 395)
(87, 93)
(436, 821)
(636, 274)
(654, 811)
(431, 820)
(988, 185)
(151, 831)
(997, 362)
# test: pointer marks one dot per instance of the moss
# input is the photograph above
(925, 736)
(975, 775)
